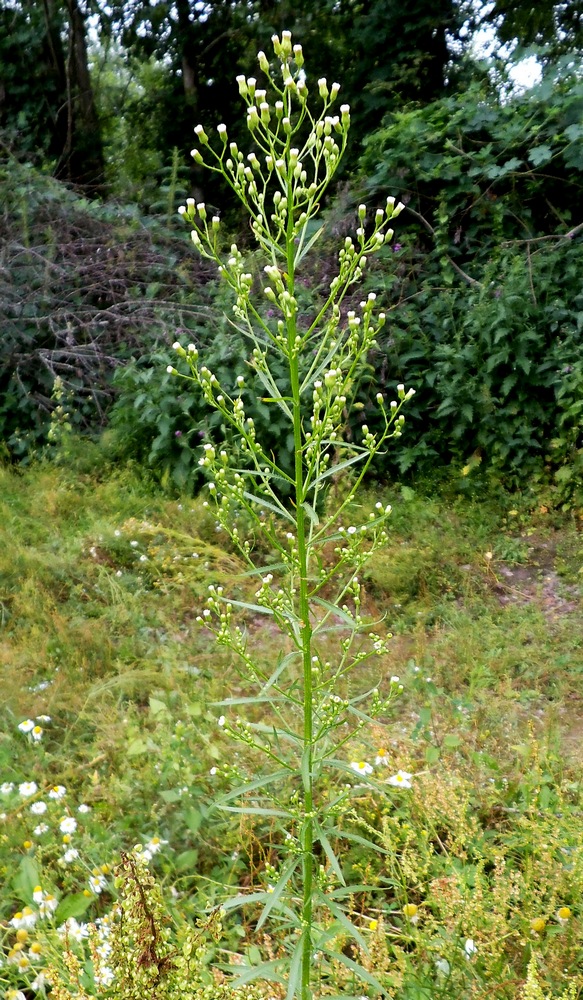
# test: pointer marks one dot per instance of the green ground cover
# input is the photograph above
(481, 869)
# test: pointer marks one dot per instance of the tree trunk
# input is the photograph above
(81, 161)
(188, 52)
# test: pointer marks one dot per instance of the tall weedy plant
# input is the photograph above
(306, 710)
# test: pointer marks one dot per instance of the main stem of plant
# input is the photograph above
(305, 632)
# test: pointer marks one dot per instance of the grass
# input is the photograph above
(102, 577)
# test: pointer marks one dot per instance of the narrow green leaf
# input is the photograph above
(318, 369)
(344, 996)
(262, 570)
(330, 853)
(281, 666)
(251, 607)
(334, 611)
(284, 734)
(355, 967)
(357, 839)
(266, 970)
(300, 254)
(258, 700)
(252, 786)
(335, 469)
(346, 891)
(242, 899)
(274, 897)
(294, 983)
(256, 811)
(311, 512)
(278, 509)
(274, 395)
(341, 917)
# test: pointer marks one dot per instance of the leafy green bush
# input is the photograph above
(488, 310)
(499, 367)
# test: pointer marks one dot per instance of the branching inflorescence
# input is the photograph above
(313, 591)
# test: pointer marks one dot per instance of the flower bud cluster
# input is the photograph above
(300, 172)
(331, 709)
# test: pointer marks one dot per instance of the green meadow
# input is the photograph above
(110, 738)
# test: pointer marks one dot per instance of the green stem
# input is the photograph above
(307, 834)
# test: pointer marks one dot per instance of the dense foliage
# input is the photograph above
(482, 279)
(487, 306)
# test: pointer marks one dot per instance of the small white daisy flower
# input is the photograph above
(402, 779)
(73, 930)
(97, 884)
(25, 918)
(154, 845)
(361, 767)
(47, 905)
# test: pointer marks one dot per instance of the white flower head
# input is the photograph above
(38, 808)
(27, 726)
(25, 918)
(97, 884)
(361, 767)
(28, 788)
(57, 792)
(68, 824)
(73, 930)
(470, 948)
(154, 845)
(47, 905)
(402, 779)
